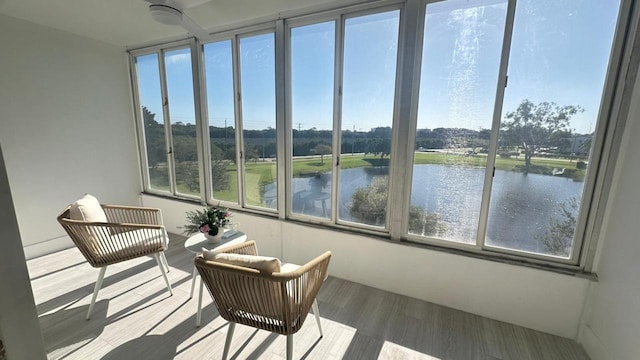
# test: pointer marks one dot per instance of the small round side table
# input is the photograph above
(196, 243)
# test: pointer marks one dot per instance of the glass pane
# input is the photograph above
(257, 69)
(370, 55)
(557, 69)
(312, 63)
(222, 132)
(460, 63)
(154, 133)
(183, 121)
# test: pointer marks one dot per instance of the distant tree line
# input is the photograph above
(527, 130)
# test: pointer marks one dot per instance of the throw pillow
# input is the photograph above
(87, 209)
(263, 264)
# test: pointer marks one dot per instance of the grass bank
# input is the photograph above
(543, 166)
(259, 173)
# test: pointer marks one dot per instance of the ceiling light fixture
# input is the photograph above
(166, 14)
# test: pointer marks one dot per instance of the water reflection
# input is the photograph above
(521, 210)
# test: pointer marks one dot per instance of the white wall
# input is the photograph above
(612, 317)
(536, 299)
(19, 324)
(65, 126)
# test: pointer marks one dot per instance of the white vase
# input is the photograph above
(213, 239)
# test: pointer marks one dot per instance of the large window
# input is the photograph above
(474, 125)
(179, 97)
(557, 67)
(167, 108)
(361, 106)
(257, 73)
(150, 99)
(536, 150)
(239, 82)
(369, 73)
(218, 64)
(312, 107)
(460, 62)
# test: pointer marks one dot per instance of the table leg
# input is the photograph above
(199, 315)
(193, 281)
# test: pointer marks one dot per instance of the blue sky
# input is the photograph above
(559, 53)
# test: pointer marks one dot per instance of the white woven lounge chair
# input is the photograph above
(109, 234)
(278, 302)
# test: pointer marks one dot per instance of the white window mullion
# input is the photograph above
(495, 126)
(143, 156)
(337, 117)
(167, 123)
(235, 42)
(406, 108)
(288, 126)
(281, 119)
(202, 130)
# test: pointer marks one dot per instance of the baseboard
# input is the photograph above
(47, 247)
(592, 344)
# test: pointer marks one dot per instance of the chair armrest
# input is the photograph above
(320, 263)
(300, 288)
(132, 214)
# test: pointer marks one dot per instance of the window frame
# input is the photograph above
(240, 125)
(289, 25)
(160, 51)
(234, 36)
(204, 124)
(598, 180)
(339, 18)
(582, 252)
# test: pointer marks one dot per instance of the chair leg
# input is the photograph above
(193, 281)
(289, 347)
(164, 261)
(316, 312)
(199, 313)
(95, 290)
(164, 275)
(227, 344)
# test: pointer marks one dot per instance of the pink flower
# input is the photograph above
(227, 214)
(204, 228)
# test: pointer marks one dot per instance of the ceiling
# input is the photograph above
(129, 23)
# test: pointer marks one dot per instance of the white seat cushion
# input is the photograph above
(136, 242)
(141, 236)
(288, 267)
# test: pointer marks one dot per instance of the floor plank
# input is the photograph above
(135, 318)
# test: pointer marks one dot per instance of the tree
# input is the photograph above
(251, 153)
(559, 238)
(154, 137)
(322, 150)
(369, 205)
(586, 145)
(425, 223)
(220, 178)
(533, 126)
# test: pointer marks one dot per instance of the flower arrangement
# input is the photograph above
(207, 221)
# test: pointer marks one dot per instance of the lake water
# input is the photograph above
(521, 209)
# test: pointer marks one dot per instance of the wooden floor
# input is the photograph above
(135, 318)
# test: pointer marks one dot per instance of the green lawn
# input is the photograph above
(256, 173)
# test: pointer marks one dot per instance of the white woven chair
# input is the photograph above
(277, 302)
(128, 233)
